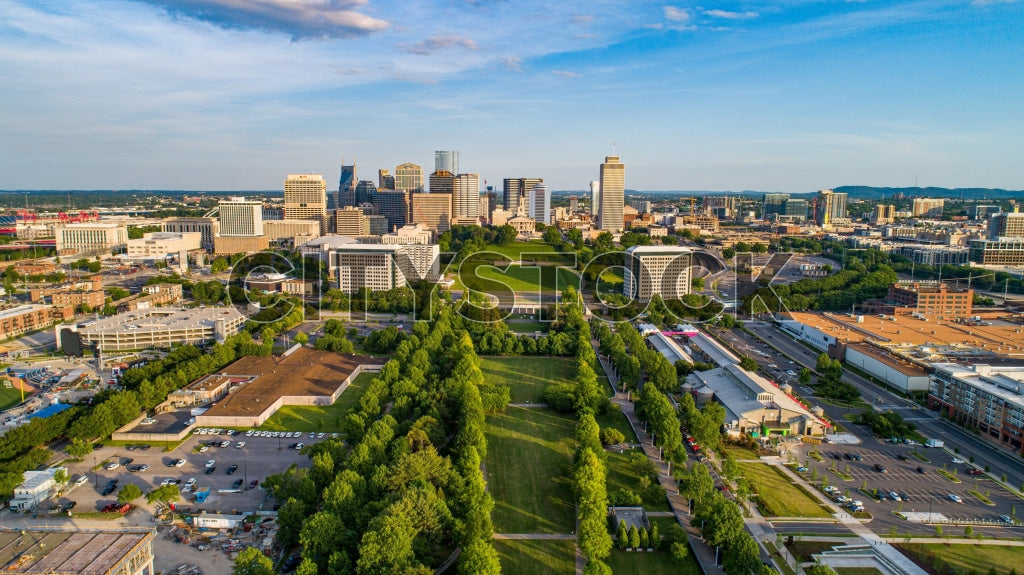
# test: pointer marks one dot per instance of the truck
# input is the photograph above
(934, 443)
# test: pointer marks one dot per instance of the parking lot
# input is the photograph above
(256, 459)
(921, 491)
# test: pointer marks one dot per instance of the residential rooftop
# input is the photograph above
(46, 552)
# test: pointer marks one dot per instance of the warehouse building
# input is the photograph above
(42, 551)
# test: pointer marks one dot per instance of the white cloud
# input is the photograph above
(512, 63)
(431, 45)
(298, 18)
(565, 74)
(677, 14)
(726, 14)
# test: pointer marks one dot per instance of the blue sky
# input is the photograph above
(784, 95)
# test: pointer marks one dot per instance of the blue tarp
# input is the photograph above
(50, 410)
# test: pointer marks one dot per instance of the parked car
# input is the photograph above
(975, 471)
(957, 461)
(921, 470)
(240, 444)
(210, 470)
(881, 468)
(954, 498)
(232, 469)
(112, 466)
(211, 463)
(895, 496)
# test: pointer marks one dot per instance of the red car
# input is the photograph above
(975, 471)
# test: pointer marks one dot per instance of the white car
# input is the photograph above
(955, 498)
(225, 443)
(249, 433)
(179, 463)
(211, 463)
(204, 449)
(957, 460)
(240, 444)
(112, 466)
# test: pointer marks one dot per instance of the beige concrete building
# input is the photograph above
(929, 207)
(208, 228)
(305, 198)
(661, 270)
(295, 232)
(433, 211)
(241, 217)
(228, 245)
(91, 237)
(154, 295)
(157, 246)
(411, 234)
(350, 221)
(466, 197)
(409, 178)
(380, 267)
(161, 328)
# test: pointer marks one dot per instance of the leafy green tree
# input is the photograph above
(655, 537)
(634, 537)
(301, 338)
(130, 492)
(622, 535)
(596, 567)
(611, 436)
(289, 520)
(479, 558)
(164, 494)
(805, 376)
(589, 480)
(219, 265)
(741, 554)
(322, 533)
(251, 561)
(307, 567)
(588, 435)
(61, 478)
(645, 538)
(728, 253)
(819, 569)
(680, 552)
(748, 363)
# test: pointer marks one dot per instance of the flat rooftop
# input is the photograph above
(904, 367)
(39, 552)
(19, 310)
(304, 372)
(160, 319)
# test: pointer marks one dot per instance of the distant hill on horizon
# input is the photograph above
(855, 192)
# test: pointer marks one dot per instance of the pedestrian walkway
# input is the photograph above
(547, 536)
(704, 554)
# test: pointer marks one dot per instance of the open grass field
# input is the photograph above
(779, 497)
(536, 556)
(10, 397)
(521, 279)
(858, 571)
(619, 474)
(528, 326)
(655, 563)
(527, 376)
(738, 452)
(516, 249)
(964, 558)
(617, 420)
(317, 417)
(529, 467)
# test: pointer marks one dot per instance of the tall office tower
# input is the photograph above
(442, 182)
(393, 205)
(831, 207)
(516, 188)
(447, 161)
(657, 270)
(347, 186)
(240, 217)
(613, 194)
(772, 204)
(365, 190)
(492, 202)
(433, 211)
(305, 198)
(385, 181)
(1006, 225)
(409, 177)
(574, 204)
(465, 196)
(540, 204)
(794, 209)
(595, 200)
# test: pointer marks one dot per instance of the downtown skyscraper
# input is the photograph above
(305, 198)
(346, 186)
(613, 194)
(409, 177)
(447, 161)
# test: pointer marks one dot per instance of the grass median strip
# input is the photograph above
(777, 495)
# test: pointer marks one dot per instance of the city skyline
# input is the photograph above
(790, 96)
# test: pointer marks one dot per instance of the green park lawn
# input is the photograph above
(536, 556)
(10, 397)
(619, 474)
(529, 466)
(617, 420)
(528, 326)
(779, 497)
(320, 417)
(654, 563)
(521, 279)
(965, 558)
(515, 250)
(527, 376)
(738, 453)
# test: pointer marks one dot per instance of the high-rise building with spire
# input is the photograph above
(347, 186)
(613, 194)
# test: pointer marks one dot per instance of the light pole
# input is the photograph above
(95, 472)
